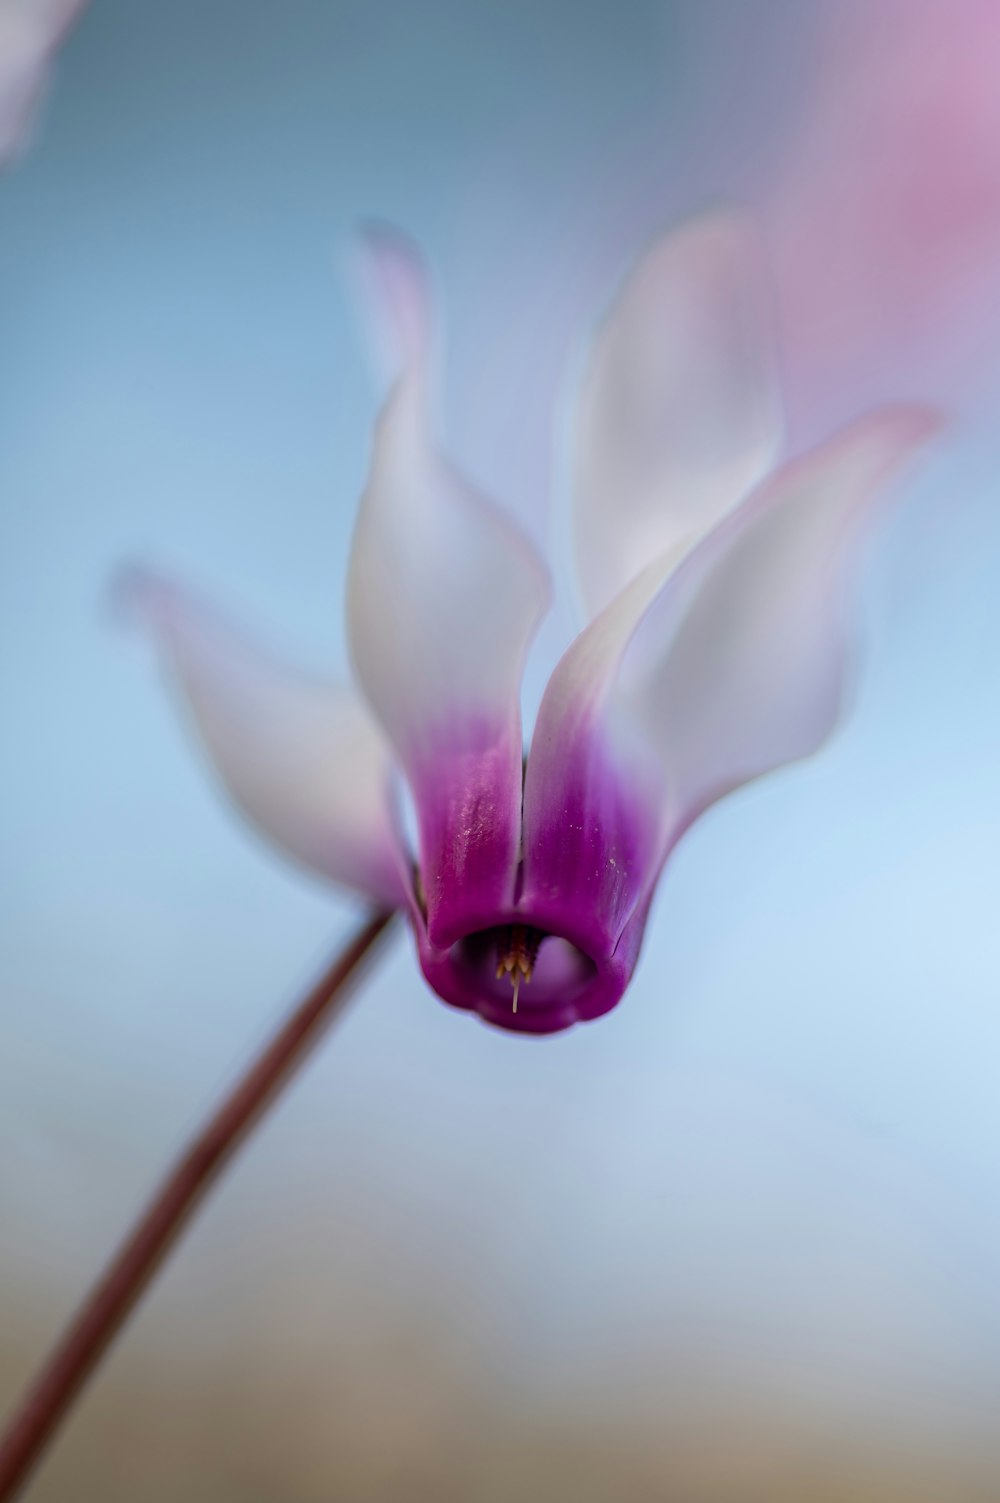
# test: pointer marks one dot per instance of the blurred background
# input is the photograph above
(739, 1239)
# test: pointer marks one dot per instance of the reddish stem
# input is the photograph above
(106, 1308)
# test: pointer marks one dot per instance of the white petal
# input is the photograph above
(444, 592)
(301, 757)
(444, 595)
(754, 626)
(679, 414)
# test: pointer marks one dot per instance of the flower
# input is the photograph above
(717, 593)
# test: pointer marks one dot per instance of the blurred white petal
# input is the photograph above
(301, 757)
(679, 413)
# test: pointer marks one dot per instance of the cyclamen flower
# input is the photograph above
(718, 597)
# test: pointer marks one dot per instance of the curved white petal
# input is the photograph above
(444, 595)
(393, 290)
(716, 664)
(679, 413)
(300, 757)
(754, 626)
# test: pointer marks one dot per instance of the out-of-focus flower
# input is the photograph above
(884, 212)
(717, 591)
(30, 32)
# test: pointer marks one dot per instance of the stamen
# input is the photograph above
(517, 952)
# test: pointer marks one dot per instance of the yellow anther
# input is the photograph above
(517, 951)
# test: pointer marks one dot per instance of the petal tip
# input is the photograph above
(145, 600)
(389, 278)
(137, 596)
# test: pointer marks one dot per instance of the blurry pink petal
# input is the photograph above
(30, 32)
(301, 757)
(444, 596)
(755, 624)
(679, 413)
(885, 218)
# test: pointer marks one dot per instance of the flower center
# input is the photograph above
(517, 951)
(515, 969)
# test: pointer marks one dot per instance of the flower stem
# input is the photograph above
(126, 1277)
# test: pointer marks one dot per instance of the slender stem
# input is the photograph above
(126, 1277)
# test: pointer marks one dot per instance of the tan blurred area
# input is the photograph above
(777, 1309)
(310, 1390)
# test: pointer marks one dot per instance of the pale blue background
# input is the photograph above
(783, 1144)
